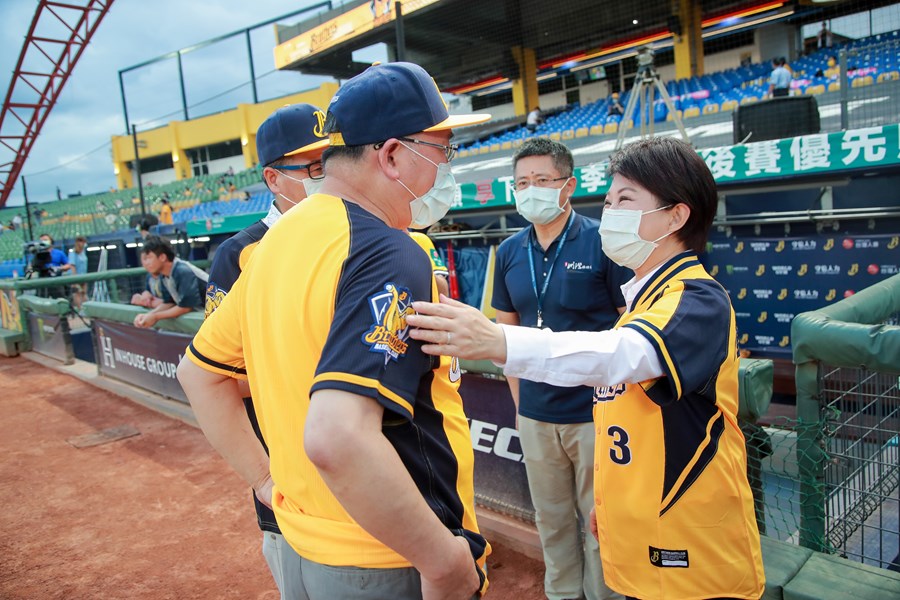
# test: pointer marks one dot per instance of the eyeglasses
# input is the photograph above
(541, 182)
(449, 151)
(314, 170)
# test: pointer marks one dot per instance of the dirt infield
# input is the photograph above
(156, 515)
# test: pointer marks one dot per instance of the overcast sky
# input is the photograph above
(89, 109)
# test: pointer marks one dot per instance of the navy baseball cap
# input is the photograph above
(291, 129)
(390, 101)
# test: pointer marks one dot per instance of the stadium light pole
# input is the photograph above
(181, 82)
(250, 60)
(137, 169)
(401, 34)
(27, 208)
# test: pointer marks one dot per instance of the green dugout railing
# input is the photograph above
(853, 334)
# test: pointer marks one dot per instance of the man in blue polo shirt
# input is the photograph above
(554, 274)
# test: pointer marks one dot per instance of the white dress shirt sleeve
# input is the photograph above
(573, 358)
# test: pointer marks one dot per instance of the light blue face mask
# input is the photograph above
(430, 208)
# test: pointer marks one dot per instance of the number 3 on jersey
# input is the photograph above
(619, 452)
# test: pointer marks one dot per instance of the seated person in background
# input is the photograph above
(155, 294)
(186, 288)
(615, 107)
(534, 119)
(165, 213)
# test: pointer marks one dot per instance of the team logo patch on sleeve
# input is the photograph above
(214, 297)
(389, 330)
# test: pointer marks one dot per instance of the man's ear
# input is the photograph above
(387, 158)
(270, 177)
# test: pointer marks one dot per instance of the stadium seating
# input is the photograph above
(876, 58)
(873, 60)
(195, 198)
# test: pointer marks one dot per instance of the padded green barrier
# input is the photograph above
(756, 377)
(782, 562)
(480, 367)
(125, 313)
(825, 576)
(45, 306)
(10, 342)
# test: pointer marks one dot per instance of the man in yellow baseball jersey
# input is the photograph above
(289, 145)
(673, 509)
(437, 264)
(371, 459)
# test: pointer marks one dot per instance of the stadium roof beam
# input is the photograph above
(462, 42)
(55, 41)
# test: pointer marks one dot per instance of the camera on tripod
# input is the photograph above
(41, 258)
(645, 60)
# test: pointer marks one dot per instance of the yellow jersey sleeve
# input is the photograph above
(218, 346)
(437, 263)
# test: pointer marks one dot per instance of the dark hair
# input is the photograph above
(542, 146)
(158, 246)
(81, 238)
(47, 235)
(350, 153)
(672, 171)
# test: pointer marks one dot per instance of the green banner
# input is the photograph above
(789, 157)
(217, 225)
(804, 155)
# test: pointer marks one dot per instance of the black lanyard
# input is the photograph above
(540, 296)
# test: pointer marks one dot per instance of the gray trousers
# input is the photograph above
(301, 579)
(559, 460)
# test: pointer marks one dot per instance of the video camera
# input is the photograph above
(40, 259)
(645, 59)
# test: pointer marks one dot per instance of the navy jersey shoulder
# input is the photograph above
(226, 266)
(383, 273)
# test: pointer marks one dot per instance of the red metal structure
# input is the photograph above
(59, 33)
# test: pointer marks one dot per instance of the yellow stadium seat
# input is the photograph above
(889, 76)
(581, 132)
(568, 134)
(463, 153)
(484, 150)
(671, 115)
(815, 90)
(495, 147)
(862, 81)
(555, 136)
(711, 108)
(596, 130)
(611, 127)
(729, 105)
(834, 86)
(691, 112)
(518, 142)
(507, 145)
(748, 100)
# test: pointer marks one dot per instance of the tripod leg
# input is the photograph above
(671, 106)
(629, 110)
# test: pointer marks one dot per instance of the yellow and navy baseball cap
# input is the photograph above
(390, 101)
(291, 129)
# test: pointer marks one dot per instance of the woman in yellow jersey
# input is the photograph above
(673, 509)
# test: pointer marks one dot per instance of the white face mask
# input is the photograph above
(430, 208)
(312, 186)
(620, 238)
(309, 184)
(540, 205)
